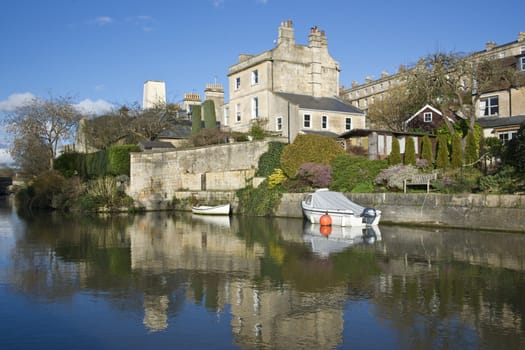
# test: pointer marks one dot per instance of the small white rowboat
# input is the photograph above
(211, 210)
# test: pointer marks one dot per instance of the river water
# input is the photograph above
(172, 280)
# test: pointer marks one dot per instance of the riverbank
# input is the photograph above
(471, 211)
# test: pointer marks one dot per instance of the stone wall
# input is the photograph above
(472, 211)
(155, 177)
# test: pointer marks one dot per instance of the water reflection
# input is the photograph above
(277, 282)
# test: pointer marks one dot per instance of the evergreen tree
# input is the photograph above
(395, 155)
(515, 151)
(471, 149)
(457, 152)
(208, 111)
(410, 152)
(426, 150)
(196, 122)
(442, 161)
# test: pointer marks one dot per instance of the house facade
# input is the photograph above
(289, 89)
(429, 119)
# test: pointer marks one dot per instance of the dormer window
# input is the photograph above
(427, 117)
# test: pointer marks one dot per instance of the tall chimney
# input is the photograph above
(286, 33)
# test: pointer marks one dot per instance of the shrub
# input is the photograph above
(456, 160)
(442, 161)
(271, 159)
(395, 155)
(209, 137)
(257, 132)
(308, 149)
(426, 150)
(208, 112)
(260, 201)
(514, 154)
(410, 151)
(315, 175)
(119, 159)
(471, 149)
(196, 122)
(276, 178)
(68, 164)
(349, 172)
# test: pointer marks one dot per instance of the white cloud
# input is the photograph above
(5, 157)
(102, 20)
(15, 101)
(98, 107)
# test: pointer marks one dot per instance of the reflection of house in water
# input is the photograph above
(230, 267)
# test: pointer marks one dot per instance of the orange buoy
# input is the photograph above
(325, 220)
(325, 230)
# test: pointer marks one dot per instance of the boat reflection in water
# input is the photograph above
(326, 240)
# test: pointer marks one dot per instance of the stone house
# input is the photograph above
(289, 89)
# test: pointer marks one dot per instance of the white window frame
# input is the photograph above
(307, 122)
(255, 77)
(279, 123)
(348, 123)
(487, 106)
(237, 83)
(255, 107)
(506, 136)
(238, 113)
(522, 64)
(427, 117)
(324, 122)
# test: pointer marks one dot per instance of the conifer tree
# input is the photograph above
(471, 149)
(395, 155)
(442, 161)
(196, 123)
(410, 152)
(208, 111)
(456, 160)
(426, 150)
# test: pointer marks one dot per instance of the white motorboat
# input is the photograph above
(223, 209)
(342, 211)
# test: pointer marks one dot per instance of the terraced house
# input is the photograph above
(290, 89)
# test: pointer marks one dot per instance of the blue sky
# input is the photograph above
(100, 52)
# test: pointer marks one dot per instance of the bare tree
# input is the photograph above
(391, 111)
(39, 128)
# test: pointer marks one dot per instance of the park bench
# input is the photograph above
(419, 180)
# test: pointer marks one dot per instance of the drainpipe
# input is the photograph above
(289, 137)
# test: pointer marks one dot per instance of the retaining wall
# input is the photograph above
(472, 211)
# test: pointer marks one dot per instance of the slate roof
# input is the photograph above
(320, 103)
(155, 145)
(182, 130)
(495, 122)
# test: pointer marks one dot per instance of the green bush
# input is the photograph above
(271, 159)
(208, 112)
(395, 154)
(119, 159)
(69, 164)
(426, 150)
(309, 149)
(260, 201)
(456, 159)
(410, 151)
(196, 121)
(349, 172)
(471, 149)
(442, 161)
(514, 154)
